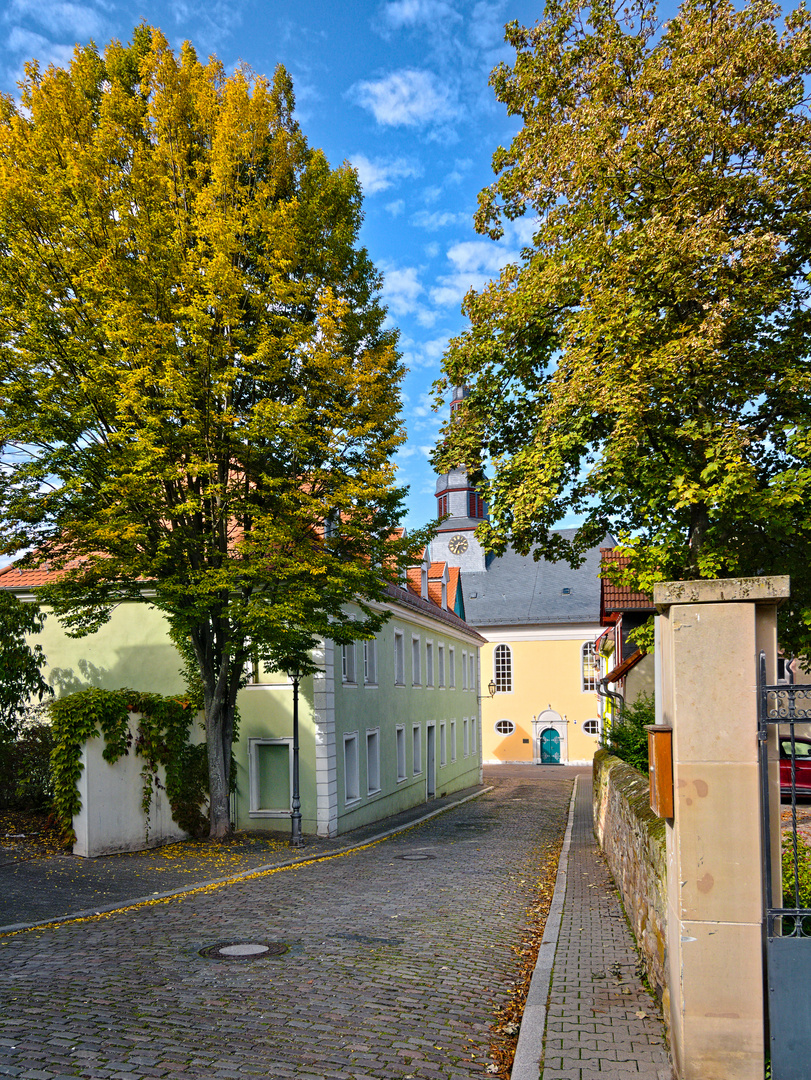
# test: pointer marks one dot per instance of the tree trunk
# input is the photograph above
(220, 685)
(219, 767)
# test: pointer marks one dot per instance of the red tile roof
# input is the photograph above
(620, 597)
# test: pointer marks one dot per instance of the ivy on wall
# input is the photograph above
(162, 738)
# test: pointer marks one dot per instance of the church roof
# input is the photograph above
(517, 590)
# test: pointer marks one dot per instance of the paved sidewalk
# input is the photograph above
(600, 1023)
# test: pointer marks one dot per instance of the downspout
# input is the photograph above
(613, 696)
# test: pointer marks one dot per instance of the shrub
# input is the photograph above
(803, 872)
(628, 738)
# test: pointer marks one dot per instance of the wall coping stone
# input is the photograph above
(721, 590)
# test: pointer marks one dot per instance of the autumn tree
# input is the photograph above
(198, 395)
(645, 364)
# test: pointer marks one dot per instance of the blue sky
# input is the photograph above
(397, 87)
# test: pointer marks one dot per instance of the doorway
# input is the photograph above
(550, 747)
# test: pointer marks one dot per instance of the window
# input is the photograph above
(473, 724)
(590, 669)
(415, 662)
(429, 664)
(465, 738)
(416, 749)
(592, 727)
(464, 671)
(472, 681)
(443, 750)
(401, 764)
(370, 663)
(399, 659)
(351, 770)
(475, 505)
(503, 669)
(505, 727)
(443, 506)
(373, 761)
(270, 768)
(348, 662)
(440, 664)
(453, 740)
(452, 668)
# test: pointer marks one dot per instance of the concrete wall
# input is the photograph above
(112, 818)
(633, 840)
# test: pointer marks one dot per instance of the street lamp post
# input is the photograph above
(295, 812)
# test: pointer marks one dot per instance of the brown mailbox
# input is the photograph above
(660, 769)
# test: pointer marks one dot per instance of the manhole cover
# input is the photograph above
(416, 856)
(244, 950)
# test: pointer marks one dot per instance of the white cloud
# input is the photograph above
(486, 26)
(475, 262)
(403, 292)
(432, 249)
(398, 14)
(78, 21)
(481, 255)
(523, 229)
(395, 208)
(423, 354)
(440, 219)
(380, 174)
(407, 98)
(28, 45)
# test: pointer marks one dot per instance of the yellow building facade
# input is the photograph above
(547, 711)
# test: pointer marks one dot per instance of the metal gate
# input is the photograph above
(786, 710)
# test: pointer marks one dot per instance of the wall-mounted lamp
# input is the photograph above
(491, 688)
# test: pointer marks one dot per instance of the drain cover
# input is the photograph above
(416, 856)
(244, 950)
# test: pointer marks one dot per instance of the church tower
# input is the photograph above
(456, 496)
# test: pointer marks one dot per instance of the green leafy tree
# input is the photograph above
(21, 683)
(197, 390)
(645, 364)
(21, 663)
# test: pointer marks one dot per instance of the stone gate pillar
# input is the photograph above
(709, 636)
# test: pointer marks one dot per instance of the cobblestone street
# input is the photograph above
(398, 954)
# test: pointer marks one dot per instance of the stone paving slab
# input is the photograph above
(44, 888)
(394, 967)
(601, 1023)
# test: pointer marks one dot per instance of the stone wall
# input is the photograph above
(633, 840)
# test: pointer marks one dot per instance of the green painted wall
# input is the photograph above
(360, 709)
(134, 649)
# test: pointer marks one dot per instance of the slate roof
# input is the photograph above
(620, 597)
(515, 590)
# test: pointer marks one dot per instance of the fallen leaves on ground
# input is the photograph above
(30, 834)
(540, 889)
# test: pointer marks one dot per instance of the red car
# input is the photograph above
(802, 765)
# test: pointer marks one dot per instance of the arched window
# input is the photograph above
(590, 666)
(503, 669)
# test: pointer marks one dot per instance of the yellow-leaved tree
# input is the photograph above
(194, 369)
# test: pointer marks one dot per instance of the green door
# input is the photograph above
(550, 747)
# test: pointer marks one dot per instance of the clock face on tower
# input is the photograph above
(457, 545)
